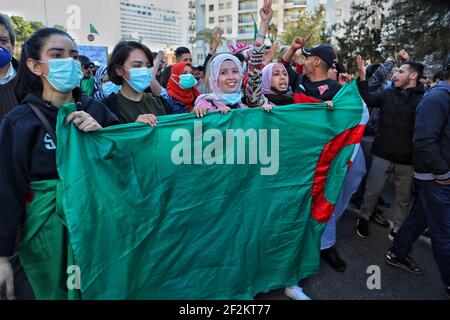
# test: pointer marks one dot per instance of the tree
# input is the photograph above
(24, 29)
(360, 34)
(421, 27)
(207, 35)
(307, 23)
(60, 27)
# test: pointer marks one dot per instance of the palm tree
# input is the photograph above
(208, 35)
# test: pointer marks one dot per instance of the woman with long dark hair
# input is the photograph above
(130, 67)
(48, 78)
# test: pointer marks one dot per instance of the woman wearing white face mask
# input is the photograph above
(48, 79)
(130, 66)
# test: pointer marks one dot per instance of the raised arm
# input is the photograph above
(373, 100)
(155, 86)
(217, 40)
(253, 89)
(297, 43)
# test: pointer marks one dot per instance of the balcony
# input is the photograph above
(296, 2)
(191, 4)
(248, 5)
(245, 19)
(289, 4)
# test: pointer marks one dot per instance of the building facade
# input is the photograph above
(155, 24)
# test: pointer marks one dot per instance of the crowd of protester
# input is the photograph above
(407, 136)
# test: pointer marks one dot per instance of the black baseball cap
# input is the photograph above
(85, 61)
(324, 52)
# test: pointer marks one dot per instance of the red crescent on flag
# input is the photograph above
(321, 208)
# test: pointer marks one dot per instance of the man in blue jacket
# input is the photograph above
(432, 173)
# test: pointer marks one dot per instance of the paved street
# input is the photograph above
(361, 253)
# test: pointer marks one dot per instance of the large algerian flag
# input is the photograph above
(157, 213)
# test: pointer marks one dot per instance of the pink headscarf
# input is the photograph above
(266, 81)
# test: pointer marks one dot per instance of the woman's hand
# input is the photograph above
(329, 104)
(267, 107)
(6, 279)
(268, 57)
(149, 119)
(200, 111)
(224, 109)
(83, 121)
(266, 11)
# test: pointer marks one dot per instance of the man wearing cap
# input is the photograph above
(8, 66)
(432, 173)
(313, 85)
(87, 83)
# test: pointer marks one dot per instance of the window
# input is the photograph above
(211, 7)
(338, 12)
(228, 5)
(221, 6)
(229, 30)
(221, 19)
(211, 19)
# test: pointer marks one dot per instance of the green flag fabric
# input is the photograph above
(219, 207)
(45, 251)
(255, 29)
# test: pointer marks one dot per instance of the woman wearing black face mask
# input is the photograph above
(48, 77)
(275, 85)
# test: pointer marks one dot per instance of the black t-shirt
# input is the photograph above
(324, 90)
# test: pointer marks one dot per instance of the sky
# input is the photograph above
(77, 15)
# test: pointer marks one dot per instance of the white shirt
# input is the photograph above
(10, 74)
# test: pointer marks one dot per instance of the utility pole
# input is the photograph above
(45, 10)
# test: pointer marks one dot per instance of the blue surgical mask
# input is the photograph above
(5, 57)
(187, 81)
(231, 98)
(140, 79)
(109, 88)
(64, 74)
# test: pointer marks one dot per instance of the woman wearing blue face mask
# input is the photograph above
(103, 87)
(48, 79)
(181, 91)
(129, 66)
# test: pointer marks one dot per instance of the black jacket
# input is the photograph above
(394, 139)
(432, 134)
(8, 98)
(27, 153)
